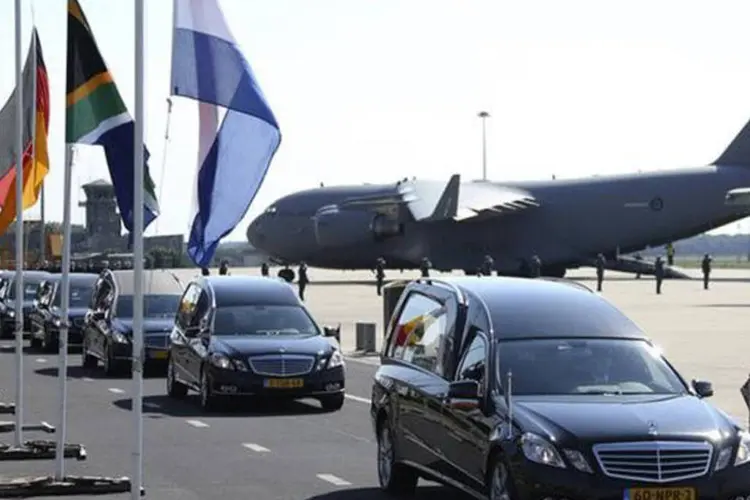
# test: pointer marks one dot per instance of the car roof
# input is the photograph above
(35, 275)
(250, 290)
(537, 308)
(155, 282)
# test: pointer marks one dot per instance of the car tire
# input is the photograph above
(395, 478)
(206, 398)
(175, 389)
(49, 346)
(35, 343)
(499, 483)
(111, 365)
(88, 362)
(333, 402)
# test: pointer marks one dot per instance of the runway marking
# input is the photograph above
(87, 379)
(358, 399)
(40, 360)
(115, 390)
(330, 478)
(197, 423)
(256, 447)
(149, 404)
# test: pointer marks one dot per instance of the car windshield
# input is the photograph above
(154, 306)
(29, 289)
(80, 296)
(583, 366)
(264, 320)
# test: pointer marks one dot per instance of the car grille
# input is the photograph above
(78, 322)
(654, 461)
(281, 365)
(155, 340)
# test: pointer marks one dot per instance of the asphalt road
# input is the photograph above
(293, 451)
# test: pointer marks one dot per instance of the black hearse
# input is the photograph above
(526, 388)
(31, 282)
(108, 331)
(238, 336)
(47, 314)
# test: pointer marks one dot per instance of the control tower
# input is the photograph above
(102, 218)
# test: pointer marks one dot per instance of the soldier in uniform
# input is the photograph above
(224, 268)
(264, 269)
(488, 265)
(302, 280)
(535, 266)
(205, 271)
(659, 273)
(425, 267)
(379, 274)
(706, 268)
(670, 254)
(639, 258)
(600, 263)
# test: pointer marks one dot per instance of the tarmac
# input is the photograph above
(298, 452)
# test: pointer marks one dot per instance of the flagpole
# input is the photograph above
(18, 302)
(138, 354)
(62, 370)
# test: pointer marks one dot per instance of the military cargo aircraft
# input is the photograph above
(564, 222)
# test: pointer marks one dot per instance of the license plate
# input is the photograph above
(285, 383)
(158, 354)
(659, 494)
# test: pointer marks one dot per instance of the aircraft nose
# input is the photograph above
(256, 232)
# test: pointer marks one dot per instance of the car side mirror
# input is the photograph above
(703, 388)
(463, 395)
(330, 331)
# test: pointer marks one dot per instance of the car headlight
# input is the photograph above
(537, 449)
(336, 360)
(743, 450)
(11, 313)
(226, 363)
(119, 337)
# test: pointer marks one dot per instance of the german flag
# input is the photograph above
(35, 156)
(97, 115)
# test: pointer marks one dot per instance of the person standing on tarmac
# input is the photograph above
(379, 274)
(488, 265)
(425, 267)
(205, 271)
(659, 273)
(706, 268)
(224, 268)
(302, 280)
(264, 270)
(670, 254)
(536, 266)
(639, 258)
(600, 263)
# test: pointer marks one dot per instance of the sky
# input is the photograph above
(374, 91)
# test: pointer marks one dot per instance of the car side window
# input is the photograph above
(418, 335)
(473, 365)
(188, 303)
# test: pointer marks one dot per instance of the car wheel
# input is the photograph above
(174, 388)
(206, 397)
(49, 345)
(35, 343)
(333, 402)
(394, 478)
(111, 366)
(499, 482)
(88, 361)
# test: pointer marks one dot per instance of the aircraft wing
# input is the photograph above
(436, 201)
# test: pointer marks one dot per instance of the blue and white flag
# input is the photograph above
(233, 158)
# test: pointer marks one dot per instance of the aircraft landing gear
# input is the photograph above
(286, 274)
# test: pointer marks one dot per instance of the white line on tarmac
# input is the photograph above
(197, 423)
(330, 478)
(115, 390)
(40, 360)
(256, 447)
(87, 379)
(357, 398)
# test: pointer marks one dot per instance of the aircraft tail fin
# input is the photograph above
(738, 151)
(447, 205)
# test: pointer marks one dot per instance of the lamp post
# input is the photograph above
(484, 115)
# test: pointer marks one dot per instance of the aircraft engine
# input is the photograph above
(384, 227)
(350, 227)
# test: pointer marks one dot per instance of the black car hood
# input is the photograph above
(151, 326)
(257, 344)
(605, 418)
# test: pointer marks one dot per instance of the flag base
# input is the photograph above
(69, 485)
(40, 450)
